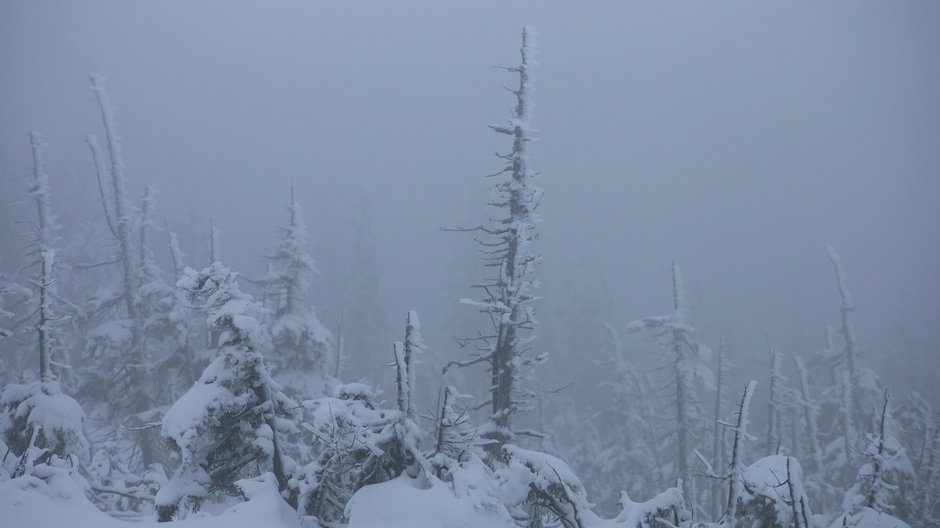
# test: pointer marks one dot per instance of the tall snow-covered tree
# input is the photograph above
(229, 424)
(689, 366)
(38, 420)
(302, 345)
(507, 244)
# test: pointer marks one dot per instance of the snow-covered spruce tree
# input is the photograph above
(508, 296)
(302, 346)
(38, 420)
(690, 371)
(229, 424)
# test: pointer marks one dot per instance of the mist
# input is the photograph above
(734, 140)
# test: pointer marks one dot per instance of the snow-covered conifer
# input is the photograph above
(302, 346)
(229, 424)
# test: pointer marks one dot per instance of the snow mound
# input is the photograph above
(403, 503)
(868, 518)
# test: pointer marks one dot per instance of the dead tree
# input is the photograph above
(506, 244)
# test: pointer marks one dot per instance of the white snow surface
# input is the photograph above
(58, 500)
(868, 518)
(404, 503)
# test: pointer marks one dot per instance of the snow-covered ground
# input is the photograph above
(58, 500)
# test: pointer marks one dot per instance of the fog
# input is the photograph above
(733, 139)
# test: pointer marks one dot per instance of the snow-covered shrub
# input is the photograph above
(773, 494)
(534, 481)
(663, 510)
(39, 421)
(356, 444)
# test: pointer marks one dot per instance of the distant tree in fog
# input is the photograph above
(690, 371)
(302, 346)
(355, 297)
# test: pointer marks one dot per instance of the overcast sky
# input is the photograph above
(735, 138)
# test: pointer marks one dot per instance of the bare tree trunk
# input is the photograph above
(175, 253)
(45, 253)
(717, 438)
(809, 415)
(683, 388)
(877, 469)
(848, 328)
(772, 445)
(735, 479)
(848, 431)
(138, 397)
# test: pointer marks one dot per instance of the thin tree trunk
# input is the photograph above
(740, 434)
